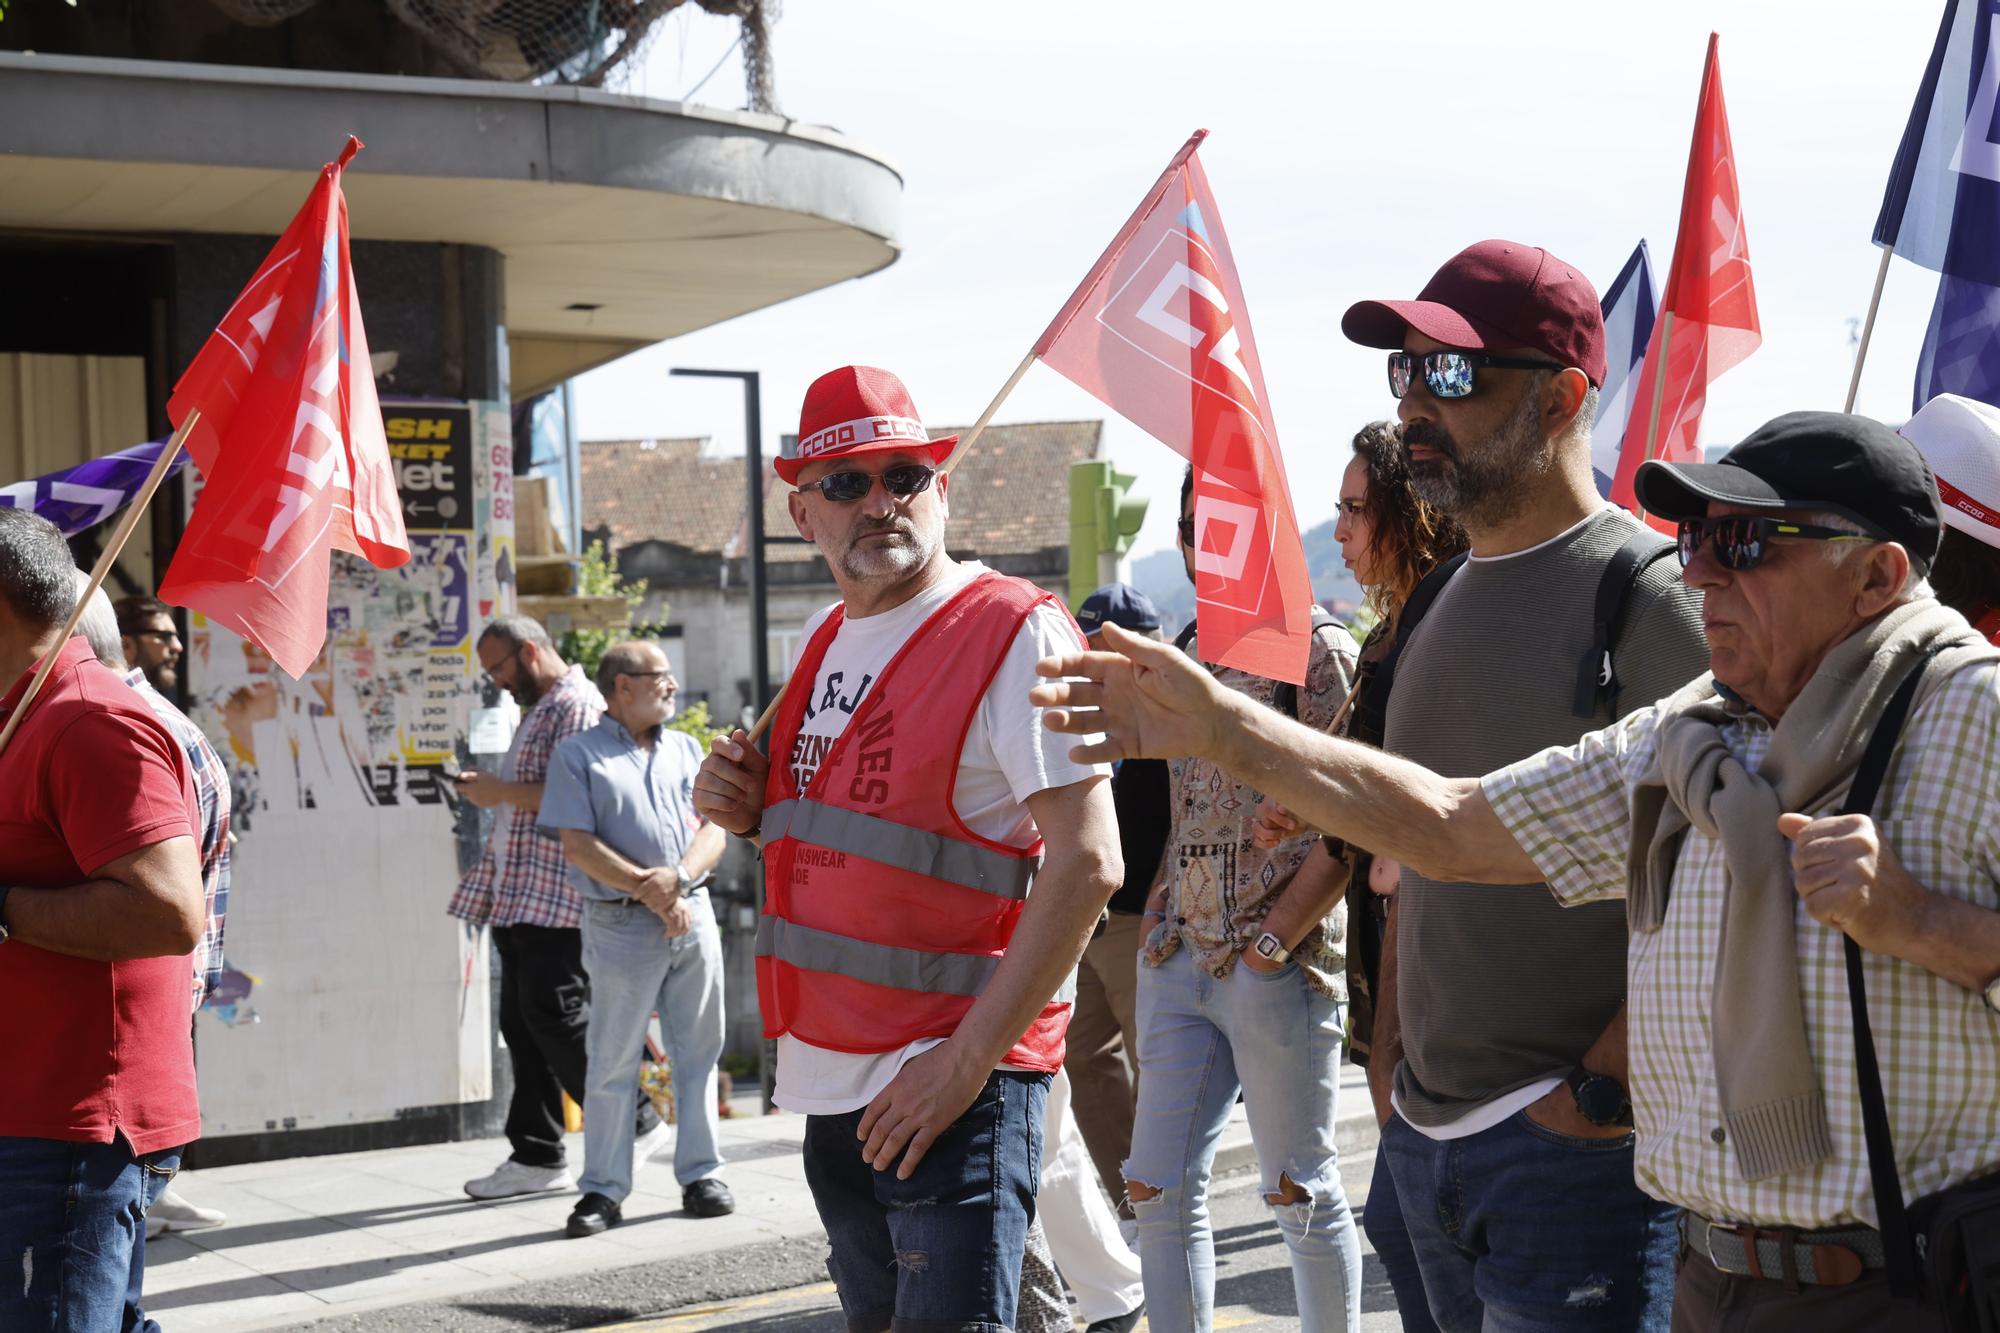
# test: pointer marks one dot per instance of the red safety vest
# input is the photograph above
(884, 915)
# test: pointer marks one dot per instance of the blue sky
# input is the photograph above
(1353, 148)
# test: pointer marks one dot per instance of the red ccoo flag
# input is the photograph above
(289, 443)
(1160, 333)
(1708, 318)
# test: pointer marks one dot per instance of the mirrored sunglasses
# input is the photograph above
(901, 481)
(1742, 542)
(1451, 374)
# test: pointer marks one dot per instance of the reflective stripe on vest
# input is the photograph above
(884, 964)
(876, 964)
(892, 844)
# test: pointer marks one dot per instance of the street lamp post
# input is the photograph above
(760, 649)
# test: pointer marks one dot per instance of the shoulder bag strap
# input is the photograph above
(1893, 1216)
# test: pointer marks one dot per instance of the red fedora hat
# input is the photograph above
(856, 410)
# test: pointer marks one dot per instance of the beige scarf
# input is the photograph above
(1772, 1104)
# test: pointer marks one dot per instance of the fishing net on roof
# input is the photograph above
(589, 43)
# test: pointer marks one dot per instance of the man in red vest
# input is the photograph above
(917, 990)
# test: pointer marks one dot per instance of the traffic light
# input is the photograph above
(1103, 521)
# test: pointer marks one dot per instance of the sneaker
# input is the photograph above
(655, 1140)
(594, 1213)
(514, 1179)
(170, 1212)
(1121, 1323)
(708, 1198)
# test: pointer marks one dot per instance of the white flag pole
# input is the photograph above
(1868, 328)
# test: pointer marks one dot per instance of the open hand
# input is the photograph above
(928, 1094)
(1149, 699)
(1851, 880)
(729, 790)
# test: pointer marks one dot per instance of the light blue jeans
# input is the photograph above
(1201, 1039)
(635, 969)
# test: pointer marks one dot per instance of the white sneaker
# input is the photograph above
(170, 1212)
(655, 1140)
(513, 1179)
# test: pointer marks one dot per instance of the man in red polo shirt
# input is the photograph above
(100, 912)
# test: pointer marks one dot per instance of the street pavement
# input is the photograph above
(387, 1241)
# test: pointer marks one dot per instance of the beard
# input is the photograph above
(162, 676)
(1487, 485)
(909, 549)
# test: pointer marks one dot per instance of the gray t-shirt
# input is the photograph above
(1501, 987)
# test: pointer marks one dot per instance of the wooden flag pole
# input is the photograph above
(127, 523)
(1868, 327)
(763, 722)
(1659, 383)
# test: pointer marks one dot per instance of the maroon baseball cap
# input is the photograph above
(1494, 296)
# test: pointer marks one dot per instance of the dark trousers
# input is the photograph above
(544, 1015)
(1382, 1219)
(1707, 1300)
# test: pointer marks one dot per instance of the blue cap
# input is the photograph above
(1117, 604)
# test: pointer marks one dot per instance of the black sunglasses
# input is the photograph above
(1187, 531)
(1451, 374)
(1742, 542)
(902, 481)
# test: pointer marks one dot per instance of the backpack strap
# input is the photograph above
(1415, 607)
(1285, 697)
(1892, 1215)
(1596, 679)
(1185, 639)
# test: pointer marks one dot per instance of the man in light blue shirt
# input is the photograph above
(622, 797)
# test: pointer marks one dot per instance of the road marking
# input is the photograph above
(685, 1321)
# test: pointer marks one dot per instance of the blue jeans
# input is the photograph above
(1201, 1039)
(941, 1251)
(75, 1215)
(1382, 1219)
(1519, 1229)
(635, 969)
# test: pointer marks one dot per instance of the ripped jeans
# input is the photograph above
(73, 1233)
(941, 1251)
(1201, 1039)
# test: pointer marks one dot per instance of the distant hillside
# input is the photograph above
(1161, 578)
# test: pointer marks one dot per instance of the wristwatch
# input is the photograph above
(1270, 948)
(1992, 987)
(1599, 1099)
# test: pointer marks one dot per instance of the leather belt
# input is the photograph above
(1830, 1258)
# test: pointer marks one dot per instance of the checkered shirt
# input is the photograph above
(211, 789)
(521, 878)
(1939, 1044)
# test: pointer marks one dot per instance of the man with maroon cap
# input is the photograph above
(1511, 1146)
(914, 984)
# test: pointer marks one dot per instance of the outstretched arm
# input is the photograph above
(1150, 701)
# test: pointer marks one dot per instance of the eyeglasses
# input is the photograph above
(492, 673)
(1742, 542)
(652, 675)
(902, 481)
(1451, 374)
(163, 635)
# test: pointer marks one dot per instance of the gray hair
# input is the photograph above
(37, 572)
(517, 630)
(1915, 586)
(618, 660)
(99, 624)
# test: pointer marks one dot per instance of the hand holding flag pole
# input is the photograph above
(127, 524)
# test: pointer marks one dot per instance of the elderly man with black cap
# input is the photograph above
(1757, 822)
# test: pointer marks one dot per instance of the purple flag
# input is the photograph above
(75, 498)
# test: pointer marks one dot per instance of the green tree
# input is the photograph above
(598, 577)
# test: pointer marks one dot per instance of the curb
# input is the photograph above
(1355, 1134)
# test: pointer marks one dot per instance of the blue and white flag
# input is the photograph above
(75, 498)
(1629, 311)
(1942, 208)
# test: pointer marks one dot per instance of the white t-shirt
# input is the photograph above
(1008, 756)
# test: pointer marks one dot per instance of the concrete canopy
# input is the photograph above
(623, 221)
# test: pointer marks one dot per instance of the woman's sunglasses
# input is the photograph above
(1742, 542)
(1451, 374)
(902, 481)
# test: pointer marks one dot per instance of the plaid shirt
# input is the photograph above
(522, 878)
(1939, 1044)
(211, 789)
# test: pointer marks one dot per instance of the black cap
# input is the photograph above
(1852, 466)
(1123, 606)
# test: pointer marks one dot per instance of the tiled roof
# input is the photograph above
(1009, 495)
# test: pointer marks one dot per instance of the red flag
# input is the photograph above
(1709, 314)
(290, 443)
(1160, 333)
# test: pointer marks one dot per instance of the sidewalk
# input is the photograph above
(315, 1237)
